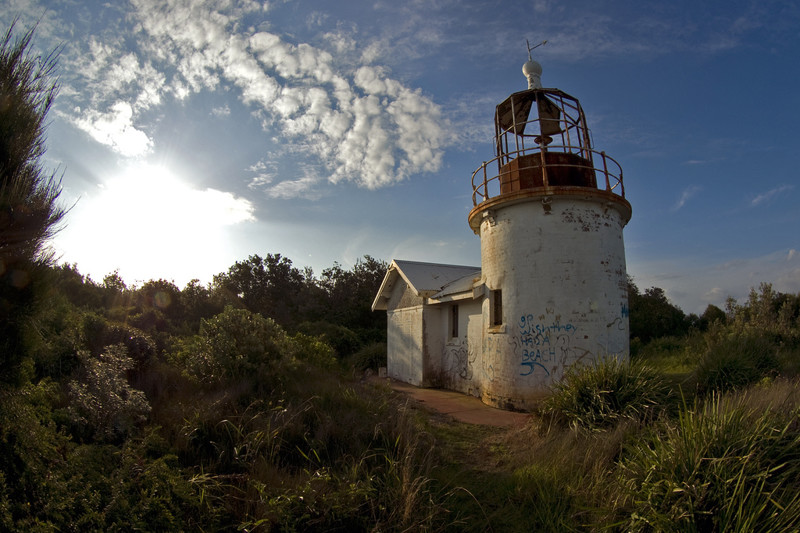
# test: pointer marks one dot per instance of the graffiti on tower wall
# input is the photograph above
(547, 346)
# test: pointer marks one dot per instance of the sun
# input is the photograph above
(149, 223)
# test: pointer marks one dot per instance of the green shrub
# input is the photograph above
(32, 457)
(311, 350)
(372, 356)
(735, 361)
(599, 396)
(101, 399)
(150, 492)
(234, 345)
(97, 333)
(725, 466)
(343, 340)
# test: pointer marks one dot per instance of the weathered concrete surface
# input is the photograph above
(459, 406)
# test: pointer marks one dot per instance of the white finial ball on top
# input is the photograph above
(533, 71)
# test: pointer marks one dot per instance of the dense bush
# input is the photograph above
(599, 396)
(733, 361)
(343, 340)
(652, 315)
(29, 209)
(234, 345)
(371, 356)
(102, 401)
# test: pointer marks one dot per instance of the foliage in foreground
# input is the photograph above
(604, 394)
(29, 213)
(730, 464)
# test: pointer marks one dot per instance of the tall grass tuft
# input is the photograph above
(729, 465)
(387, 488)
(600, 396)
(370, 356)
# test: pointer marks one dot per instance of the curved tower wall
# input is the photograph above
(559, 260)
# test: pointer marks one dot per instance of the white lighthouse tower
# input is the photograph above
(551, 290)
(549, 210)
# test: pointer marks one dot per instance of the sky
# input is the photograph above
(192, 134)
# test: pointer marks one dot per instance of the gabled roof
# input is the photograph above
(425, 279)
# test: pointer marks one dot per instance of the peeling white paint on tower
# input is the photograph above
(552, 288)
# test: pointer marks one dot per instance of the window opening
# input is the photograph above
(497, 307)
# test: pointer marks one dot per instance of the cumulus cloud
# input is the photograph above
(716, 294)
(355, 121)
(115, 128)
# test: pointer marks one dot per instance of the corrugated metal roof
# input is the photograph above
(463, 284)
(428, 279)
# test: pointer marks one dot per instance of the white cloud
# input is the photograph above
(222, 207)
(222, 111)
(115, 128)
(358, 123)
(261, 181)
(687, 194)
(770, 194)
(305, 187)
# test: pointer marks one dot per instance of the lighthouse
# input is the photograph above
(551, 290)
(550, 212)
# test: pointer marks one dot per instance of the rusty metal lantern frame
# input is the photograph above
(537, 122)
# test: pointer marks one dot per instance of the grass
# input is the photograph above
(730, 464)
(671, 355)
(600, 396)
(723, 462)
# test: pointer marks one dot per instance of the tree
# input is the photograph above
(350, 294)
(270, 286)
(198, 303)
(711, 315)
(652, 315)
(29, 212)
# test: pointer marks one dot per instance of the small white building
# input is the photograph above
(552, 287)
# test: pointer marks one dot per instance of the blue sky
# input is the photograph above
(192, 134)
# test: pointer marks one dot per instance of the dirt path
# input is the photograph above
(459, 406)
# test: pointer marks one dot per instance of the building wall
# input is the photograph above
(404, 341)
(404, 335)
(403, 296)
(560, 264)
(460, 357)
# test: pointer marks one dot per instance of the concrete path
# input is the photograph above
(460, 406)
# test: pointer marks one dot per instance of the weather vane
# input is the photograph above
(533, 47)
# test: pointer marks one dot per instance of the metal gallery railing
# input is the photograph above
(486, 184)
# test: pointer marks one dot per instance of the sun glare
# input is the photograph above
(149, 223)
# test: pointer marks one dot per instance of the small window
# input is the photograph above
(497, 307)
(454, 322)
